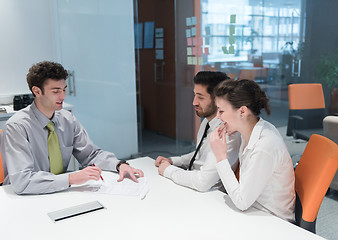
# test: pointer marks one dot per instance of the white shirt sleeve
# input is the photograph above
(205, 175)
(201, 180)
(182, 161)
(255, 172)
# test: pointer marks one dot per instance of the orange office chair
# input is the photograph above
(313, 175)
(209, 67)
(232, 76)
(255, 74)
(2, 177)
(306, 110)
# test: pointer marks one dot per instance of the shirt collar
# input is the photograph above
(256, 133)
(214, 123)
(43, 120)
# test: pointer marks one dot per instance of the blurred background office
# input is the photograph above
(132, 63)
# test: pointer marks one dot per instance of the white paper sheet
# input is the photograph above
(127, 187)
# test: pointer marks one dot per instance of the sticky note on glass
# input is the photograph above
(194, 51)
(188, 21)
(188, 33)
(193, 31)
(233, 18)
(206, 51)
(198, 41)
(189, 51)
(158, 32)
(189, 41)
(200, 61)
(231, 50)
(149, 34)
(225, 50)
(232, 29)
(158, 42)
(232, 39)
(194, 60)
(189, 60)
(193, 20)
(199, 51)
(159, 54)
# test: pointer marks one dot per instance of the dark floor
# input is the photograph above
(155, 144)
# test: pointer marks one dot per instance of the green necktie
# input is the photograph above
(54, 152)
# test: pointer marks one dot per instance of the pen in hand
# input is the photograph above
(100, 175)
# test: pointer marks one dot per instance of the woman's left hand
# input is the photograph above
(218, 143)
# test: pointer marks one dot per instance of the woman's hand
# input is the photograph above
(218, 142)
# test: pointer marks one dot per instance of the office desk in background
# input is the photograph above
(4, 116)
(169, 211)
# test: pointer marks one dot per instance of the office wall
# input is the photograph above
(321, 37)
(96, 41)
(26, 37)
(95, 38)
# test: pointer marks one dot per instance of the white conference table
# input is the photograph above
(169, 211)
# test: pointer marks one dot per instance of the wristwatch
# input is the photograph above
(119, 164)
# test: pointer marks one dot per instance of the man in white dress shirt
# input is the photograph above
(197, 169)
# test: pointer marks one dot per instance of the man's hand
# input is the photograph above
(162, 167)
(159, 160)
(126, 169)
(86, 174)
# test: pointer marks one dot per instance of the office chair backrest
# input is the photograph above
(306, 108)
(314, 174)
(1, 169)
(253, 74)
(232, 76)
(209, 67)
(306, 96)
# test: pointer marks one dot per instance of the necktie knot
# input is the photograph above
(50, 126)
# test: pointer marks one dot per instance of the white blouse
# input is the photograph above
(266, 177)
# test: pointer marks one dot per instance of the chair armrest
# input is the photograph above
(297, 117)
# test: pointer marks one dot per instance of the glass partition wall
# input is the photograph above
(272, 42)
(256, 40)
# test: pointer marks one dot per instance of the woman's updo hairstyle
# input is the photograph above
(243, 93)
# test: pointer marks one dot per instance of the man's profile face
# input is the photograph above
(52, 97)
(204, 104)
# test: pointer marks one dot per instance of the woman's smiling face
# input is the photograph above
(227, 113)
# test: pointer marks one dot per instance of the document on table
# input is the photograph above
(127, 187)
(110, 185)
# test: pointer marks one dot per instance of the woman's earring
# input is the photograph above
(241, 115)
